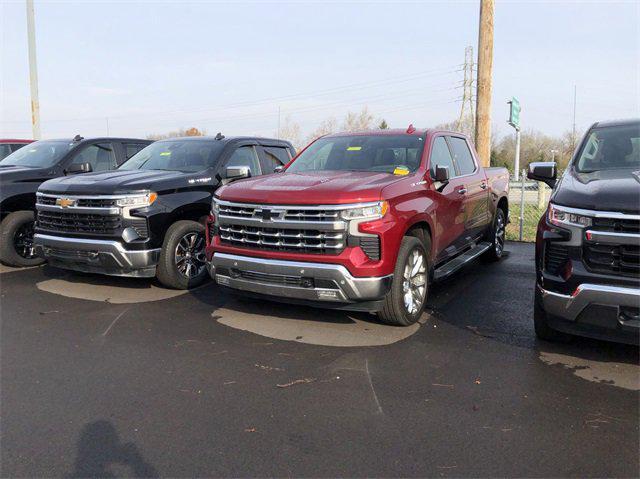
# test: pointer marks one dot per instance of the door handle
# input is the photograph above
(462, 190)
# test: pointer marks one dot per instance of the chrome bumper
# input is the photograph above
(570, 306)
(96, 256)
(287, 279)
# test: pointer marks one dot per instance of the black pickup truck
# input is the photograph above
(147, 218)
(588, 242)
(22, 172)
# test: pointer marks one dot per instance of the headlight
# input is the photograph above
(138, 200)
(369, 212)
(214, 206)
(560, 216)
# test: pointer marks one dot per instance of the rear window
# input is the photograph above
(375, 153)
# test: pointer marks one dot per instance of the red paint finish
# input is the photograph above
(453, 218)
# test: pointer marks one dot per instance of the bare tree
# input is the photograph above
(193, 131)
(290, 131)
(326, 127)
(358, 121)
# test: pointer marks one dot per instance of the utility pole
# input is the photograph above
(107, 122)
(33, 71)
(483, 97)
(467, 112)
(573, 134)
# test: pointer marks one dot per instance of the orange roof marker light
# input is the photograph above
(411, 129)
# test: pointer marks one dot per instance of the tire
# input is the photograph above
(16, 240)
(395, 310)
(182, 261)
(496, 236)
(541, 322)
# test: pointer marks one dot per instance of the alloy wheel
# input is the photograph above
(500, 232)
(190, 255)
(23, 241)
(414, 281)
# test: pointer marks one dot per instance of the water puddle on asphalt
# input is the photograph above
(312, 326)
(613, 373)
(107, 288)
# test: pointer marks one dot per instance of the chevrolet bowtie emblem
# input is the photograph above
(65, 202)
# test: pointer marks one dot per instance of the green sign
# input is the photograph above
(514, 113)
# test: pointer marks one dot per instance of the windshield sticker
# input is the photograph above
(165, 153)
(354, 148)
(401, 170)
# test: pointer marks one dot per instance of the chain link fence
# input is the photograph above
(527, 203)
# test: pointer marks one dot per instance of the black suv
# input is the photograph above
(147, 218)
(26, 168)
(588, 242)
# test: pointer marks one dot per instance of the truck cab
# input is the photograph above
(360, 221)
(22, 172)
(147, 217)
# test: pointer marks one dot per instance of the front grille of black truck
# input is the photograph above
(79, 202)
(70, 222)
(622, 225)
(613, 259)
(314, 230)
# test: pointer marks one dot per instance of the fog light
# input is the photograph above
(306, 282)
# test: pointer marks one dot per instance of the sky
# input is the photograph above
(138, 68)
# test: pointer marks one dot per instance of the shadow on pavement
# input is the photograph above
(99, 448)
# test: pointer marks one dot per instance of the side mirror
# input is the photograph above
(442, 174)
(544, 171)
(237, 172)
(76, 168)
(278, 169)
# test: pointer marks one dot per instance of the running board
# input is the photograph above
(458, 262)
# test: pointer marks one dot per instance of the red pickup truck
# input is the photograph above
(360, 221)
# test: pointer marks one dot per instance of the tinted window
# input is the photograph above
(176, 155)
(131, 149)
(382, 153)
(610, 148)
(274, 157)
(462, 155)
(17, 146)
(441, 156)
(40, 154)
(245, 156)
(5, 150)
(100, 156)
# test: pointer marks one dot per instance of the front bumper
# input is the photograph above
(96, 256)
(604, 311)
(307, 282)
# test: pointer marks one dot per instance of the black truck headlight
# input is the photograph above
(559, 216)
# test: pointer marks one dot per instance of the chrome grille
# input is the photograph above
(314, 229)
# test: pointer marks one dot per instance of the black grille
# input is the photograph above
(371, 247)
(613, 259)
(617, 224)
(272, 278)
(65, 222)
(138, 224)
(81, 202)
(555, 257)
(279, 239)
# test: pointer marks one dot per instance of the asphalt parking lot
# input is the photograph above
(115, 377)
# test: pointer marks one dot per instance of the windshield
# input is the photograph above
(40, 154)
(398, 154)
(610, 148)
(176, 155)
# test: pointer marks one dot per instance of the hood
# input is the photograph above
(606, 190)
(9, 174)
(313, 187)
(120, 182)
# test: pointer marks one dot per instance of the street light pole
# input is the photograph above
(33, 72)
